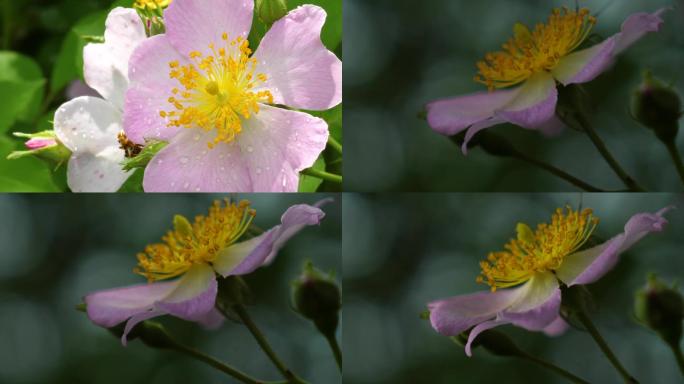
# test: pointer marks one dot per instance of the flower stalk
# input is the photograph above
(334, 144)
(326, 176)
(242, 313)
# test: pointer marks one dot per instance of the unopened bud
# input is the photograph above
(270, 11)
(43, 145)
(660, 308)
(317, 297)
(657, 107)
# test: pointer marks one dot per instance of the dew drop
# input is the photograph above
(222, 169)
(258, 171)
(159, 161)
(197, 189)
(196, 137)
(186, 185)
(184, 160)
(250, 149)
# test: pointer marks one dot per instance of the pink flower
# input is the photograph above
(196, 253)
(199, 87)
(87, 125)
(537, 262)
(537, 60)
(38, 143)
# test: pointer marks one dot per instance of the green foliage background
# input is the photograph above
(402, 251)
(57, 248)
(401, 55)
(41, 54)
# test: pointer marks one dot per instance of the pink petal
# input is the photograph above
(585, 65)
(537, 318)
(277, 144)
(105, 66)
(453, 115)
(479, 329)
(194, 296)
(188, 165)
(211, 320)
(191, 25)
(37, 143)
(149, 91)
(301, 71)
(587, 266)
(557, 327)
(535, 103)
(456, 314)
(113, 306)
(477, 127)
(136, 319)
(245, 257)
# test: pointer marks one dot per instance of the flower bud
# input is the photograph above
(317, 297)
(657, 107)
(270, 11)
(43, 145)
(660, 308)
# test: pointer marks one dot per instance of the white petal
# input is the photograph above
(105, 66)
(100, 172)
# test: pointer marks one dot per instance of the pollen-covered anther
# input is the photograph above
(542, 250)
(529, 52)
(217, 90)
(196, 243)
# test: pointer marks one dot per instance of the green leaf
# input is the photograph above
(23, 175)
(310, 183)
(134, 182)
(143, 158)
(21, 88)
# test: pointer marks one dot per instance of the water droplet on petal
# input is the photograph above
(184, 160)
(186, 185)
(258, 171)
(196, 137)
(250, 149)
(197, 189)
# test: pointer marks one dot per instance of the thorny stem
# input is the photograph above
(291, 377)
(603, 150)
(676, 158)
(594, 332)
(556, 369)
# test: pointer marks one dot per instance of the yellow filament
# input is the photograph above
(216, 91)
(151, 4)
(542, 250)
(529, 52)
(189, 244)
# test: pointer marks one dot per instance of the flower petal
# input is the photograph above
(539, 317)
(479, 329)
(100, 172)
(87, 124)
(105, 66)
(585, 65)
(194, 295)
(277, 144)
(136, 319)
(192, 25)
(110, 307)
(211, 320)
(188, 165)
(477, 127)
(587, 266)
(243, 258)
(149, 91)
(453, 115)
(456, 314)
(557, 327)
(534, 104)
(301, 72)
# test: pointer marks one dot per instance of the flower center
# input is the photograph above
(542, 250)
(217, 91)
(151, 4)
(530, 52)
(195, 243)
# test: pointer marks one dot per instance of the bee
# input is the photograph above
(130, 148)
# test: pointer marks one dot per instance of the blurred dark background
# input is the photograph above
(403, 251)
(400, 55)
(57, 248)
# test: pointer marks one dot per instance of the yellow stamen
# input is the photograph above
(530, 52)
(151, 4)
(542, 250)
(217, 90)
(196, 243)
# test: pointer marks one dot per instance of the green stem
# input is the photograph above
(335, 347)
(291, 377)
(554, 368)
(677, 350)
(557, 172)
(676, 158)
(593, 331)
(334, 144)
(603, 149)
(323, 175)
(243, 378)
